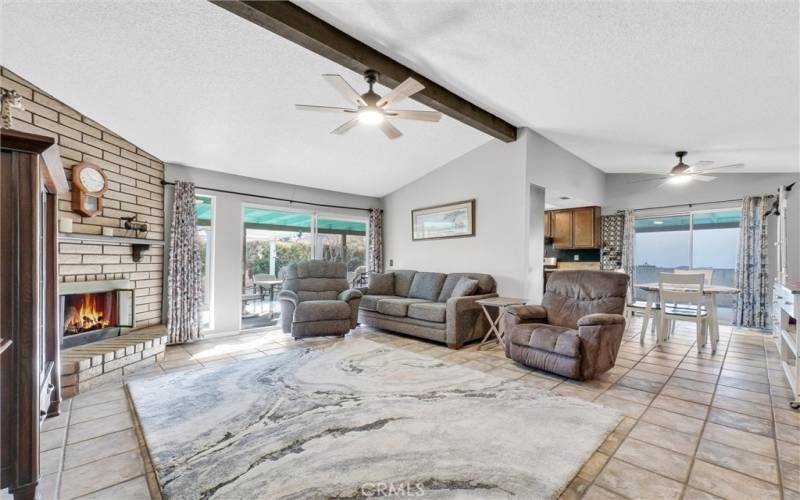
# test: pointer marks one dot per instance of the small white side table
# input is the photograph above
(496, 325)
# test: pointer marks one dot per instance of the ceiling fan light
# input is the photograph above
(680, 179)
(370, 116)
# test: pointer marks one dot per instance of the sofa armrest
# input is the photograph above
(288, 296)
(526, 313)
(601, 319)
(288, 301)
(600, 342)
(462, 315)
(349, 295)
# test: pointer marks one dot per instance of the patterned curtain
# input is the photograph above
(752, 279)
(628, 234)
(183, 286)
(375, 247)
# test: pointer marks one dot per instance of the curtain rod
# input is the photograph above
(274, 198)
(689, 205)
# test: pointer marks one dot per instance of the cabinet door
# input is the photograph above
(585, 227)
(561, 228)
(548, 228)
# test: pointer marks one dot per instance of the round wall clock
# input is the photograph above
(88, 185)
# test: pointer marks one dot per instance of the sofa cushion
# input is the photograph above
(464, 288)
(381, 284)
(486, 284)
(557, 339)
(426, 285)
(370, 302)
(320, 310)
(396, 307)
(428, 311)
(402, 282)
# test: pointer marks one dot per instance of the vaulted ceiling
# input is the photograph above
(620, 84)
(194, 84)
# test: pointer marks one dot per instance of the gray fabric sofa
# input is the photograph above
(316, 300)
(421, 304)
(577, 331)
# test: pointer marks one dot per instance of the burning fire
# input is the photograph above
(88, 316)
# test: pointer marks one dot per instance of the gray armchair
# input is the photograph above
(577, 331)
(316, 300)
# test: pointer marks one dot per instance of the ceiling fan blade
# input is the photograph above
(390, 130)
(405, 89)
(425, 116)
(649, 179)
(327, 109)
(702, 162)
(345, 89)
(343, 128)
(732, 165)
(703, 178)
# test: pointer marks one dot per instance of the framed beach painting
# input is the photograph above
(453, 220)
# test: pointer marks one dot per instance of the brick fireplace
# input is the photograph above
(134, 189)
(111, 278)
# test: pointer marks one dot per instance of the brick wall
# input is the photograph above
(134, 180)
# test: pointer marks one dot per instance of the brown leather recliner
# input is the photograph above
(577, 330)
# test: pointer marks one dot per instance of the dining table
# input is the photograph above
(710, 293)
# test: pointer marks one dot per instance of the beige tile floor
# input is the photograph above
(696, 425)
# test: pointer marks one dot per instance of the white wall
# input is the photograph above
(556, 169)
(494, 175)
(509, 241)
(228, 230)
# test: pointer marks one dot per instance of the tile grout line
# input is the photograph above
(708, 415)
(778, 457)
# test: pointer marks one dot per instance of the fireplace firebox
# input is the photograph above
(95, 310)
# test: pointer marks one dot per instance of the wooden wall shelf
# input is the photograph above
(99, 238)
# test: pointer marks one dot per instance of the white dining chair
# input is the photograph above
(681, 299)
(708, 274)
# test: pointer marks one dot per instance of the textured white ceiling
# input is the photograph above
(192, 83)
(620, 84)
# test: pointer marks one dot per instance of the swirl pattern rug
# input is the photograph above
(358, 419)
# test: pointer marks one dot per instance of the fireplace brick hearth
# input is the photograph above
(109, 360)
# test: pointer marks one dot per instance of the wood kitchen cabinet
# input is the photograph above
(548, 227)
(574, 227)
(561, 228)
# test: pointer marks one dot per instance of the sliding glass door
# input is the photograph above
(275, 238)
(204, 210)
(701, 240)
(343, 240)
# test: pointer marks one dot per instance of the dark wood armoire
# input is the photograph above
(31, 178)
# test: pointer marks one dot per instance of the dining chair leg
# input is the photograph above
(701, 333)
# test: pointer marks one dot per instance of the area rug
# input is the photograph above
(361, 419)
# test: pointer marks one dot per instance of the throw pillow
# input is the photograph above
(381, 284)
(465, 287)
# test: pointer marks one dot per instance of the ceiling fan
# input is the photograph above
(372, 109)
(683, 173)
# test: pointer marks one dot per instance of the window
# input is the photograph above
(341, 240)
(204, 210)
(697, 240)
(274, 238)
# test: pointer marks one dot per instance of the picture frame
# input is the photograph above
(450, 220)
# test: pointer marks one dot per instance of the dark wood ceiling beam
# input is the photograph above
(293, 23)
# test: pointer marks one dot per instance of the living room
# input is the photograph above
(357, 249)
